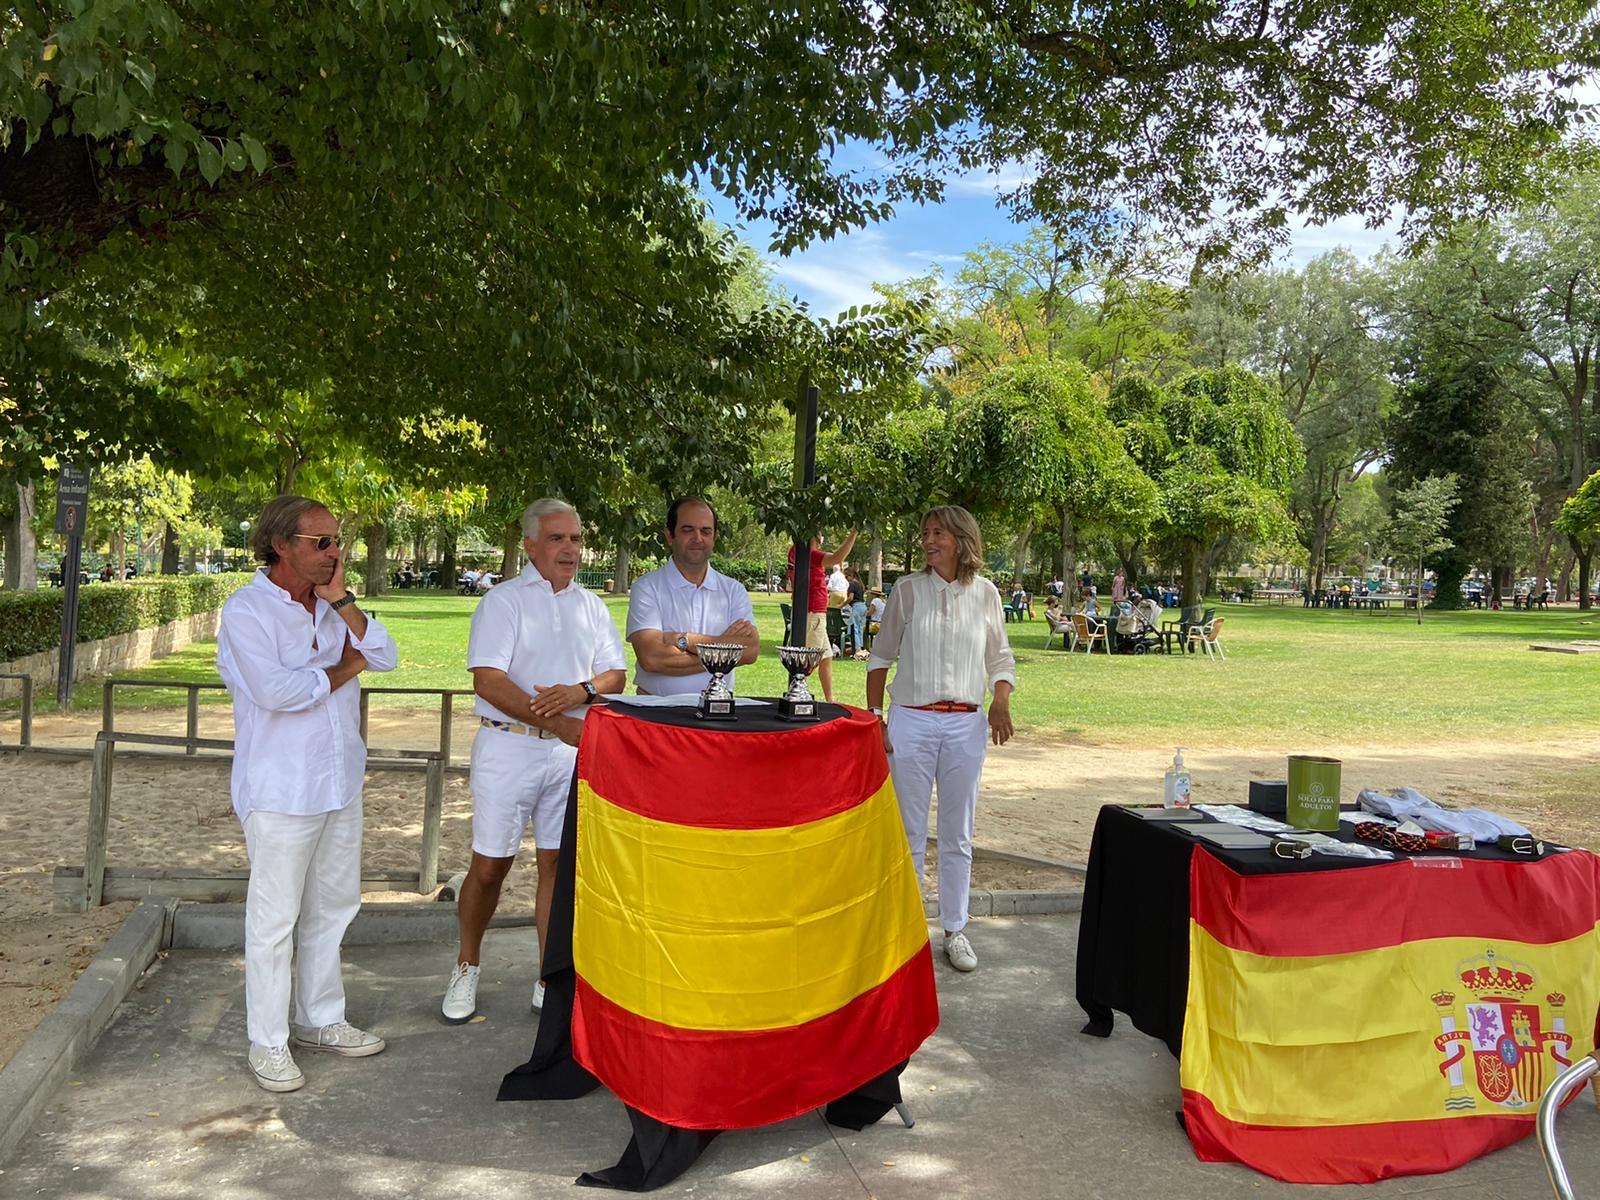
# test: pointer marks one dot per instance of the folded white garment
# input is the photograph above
(1408, 804)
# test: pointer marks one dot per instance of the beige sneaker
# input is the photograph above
(461, 994)
(275, 1070)
(339, 1038)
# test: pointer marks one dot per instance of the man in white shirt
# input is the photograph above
(838, 586)
(542, 649)
(684, 603)
(289, 648)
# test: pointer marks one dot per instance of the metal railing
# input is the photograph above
(1564, 1084)
(25, 736)
(192, 742)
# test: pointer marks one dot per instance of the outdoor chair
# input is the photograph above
(1186, 628)
(1542, 600)
(1208, 637)
(1063, 626)
(1083, 632)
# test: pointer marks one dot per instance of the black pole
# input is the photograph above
(805, 477)
(72, 511)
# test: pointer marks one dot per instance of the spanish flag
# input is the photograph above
(748, 935)
(1340, 1029)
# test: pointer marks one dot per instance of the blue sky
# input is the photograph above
(833, 275)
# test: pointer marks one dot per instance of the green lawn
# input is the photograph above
(1291, 672)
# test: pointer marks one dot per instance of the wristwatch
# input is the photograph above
(343, 601)
(683, 642)
(877, 712)
(590, 695)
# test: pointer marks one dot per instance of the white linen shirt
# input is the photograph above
(297, 748)
(949, 639)
(539, 636)
(665, 600)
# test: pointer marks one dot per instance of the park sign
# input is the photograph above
(72, 509)
(72, 501)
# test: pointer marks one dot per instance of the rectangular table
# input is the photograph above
(1342, 1021)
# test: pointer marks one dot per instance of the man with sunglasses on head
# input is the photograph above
(290, 648)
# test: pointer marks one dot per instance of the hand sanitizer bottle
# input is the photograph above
(1176, 793)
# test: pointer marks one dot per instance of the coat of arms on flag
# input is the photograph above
(1504, 1029)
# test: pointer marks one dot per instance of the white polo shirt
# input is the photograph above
(665, 600)
(297, 748)
(537, 635)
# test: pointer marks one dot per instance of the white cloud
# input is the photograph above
(838, 274)
(1350, 233)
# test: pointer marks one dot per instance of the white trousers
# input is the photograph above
(305, 870)
(943, 751)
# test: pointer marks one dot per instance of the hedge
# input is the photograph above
(30, 622)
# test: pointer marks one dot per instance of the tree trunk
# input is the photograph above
(1019, 554)
(419, 554)
(189, 561)
(510, 550)
(119, 555)
(377, 539)
(1564, 588)
(1419, 591)
(1193, 599)
(1583, 552)
(22, 551)
(875, 558)
(169, 550)
(1069, 560)
(447, 568)
(619, 580)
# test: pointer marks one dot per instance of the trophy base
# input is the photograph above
(796, 710)
(715, 710)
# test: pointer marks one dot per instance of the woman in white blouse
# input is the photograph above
(945, 627)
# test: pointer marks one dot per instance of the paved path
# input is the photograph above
(1011, 1103)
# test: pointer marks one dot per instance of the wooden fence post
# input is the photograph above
(432, 817)
(192, 729)
(27, 710)
(365, 701)
(108, 715)
(94, 851)
(445, 708)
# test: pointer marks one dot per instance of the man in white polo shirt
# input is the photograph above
(290, 647)
(685, 602)
(541, 650)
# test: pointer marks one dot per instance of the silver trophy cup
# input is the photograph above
(718, 658)
(797, 703)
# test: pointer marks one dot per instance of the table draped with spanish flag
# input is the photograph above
(1403, 1018)
(747, 939)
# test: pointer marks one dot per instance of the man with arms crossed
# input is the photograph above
(289, 648)
(685, 602)
(542, 648)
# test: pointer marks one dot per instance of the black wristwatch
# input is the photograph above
(590, 694)
(343, 601)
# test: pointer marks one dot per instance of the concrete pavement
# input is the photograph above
(1010, 1100)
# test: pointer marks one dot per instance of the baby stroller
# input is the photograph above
(1136, 634)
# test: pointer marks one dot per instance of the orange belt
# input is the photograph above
(944, 706)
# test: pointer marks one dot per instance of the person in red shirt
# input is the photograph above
(817, 603)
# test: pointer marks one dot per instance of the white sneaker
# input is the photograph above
(275, 1070)
(959, 951)
(339, 1038)
(461, 996)
(538, 996)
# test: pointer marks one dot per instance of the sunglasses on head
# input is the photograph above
(323, 541)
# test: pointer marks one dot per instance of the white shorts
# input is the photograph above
(517, 779)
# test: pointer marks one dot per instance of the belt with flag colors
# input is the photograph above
(748, 933)
(1346, 1026)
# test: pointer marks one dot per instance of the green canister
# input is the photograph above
(1313, 799)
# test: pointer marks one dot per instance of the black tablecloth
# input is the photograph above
(1133, 933)
(656, 1153)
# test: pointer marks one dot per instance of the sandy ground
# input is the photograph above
(1040, 799)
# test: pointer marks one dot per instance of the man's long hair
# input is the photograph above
(280, 519)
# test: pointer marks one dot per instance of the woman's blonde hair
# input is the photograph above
(959, 524)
